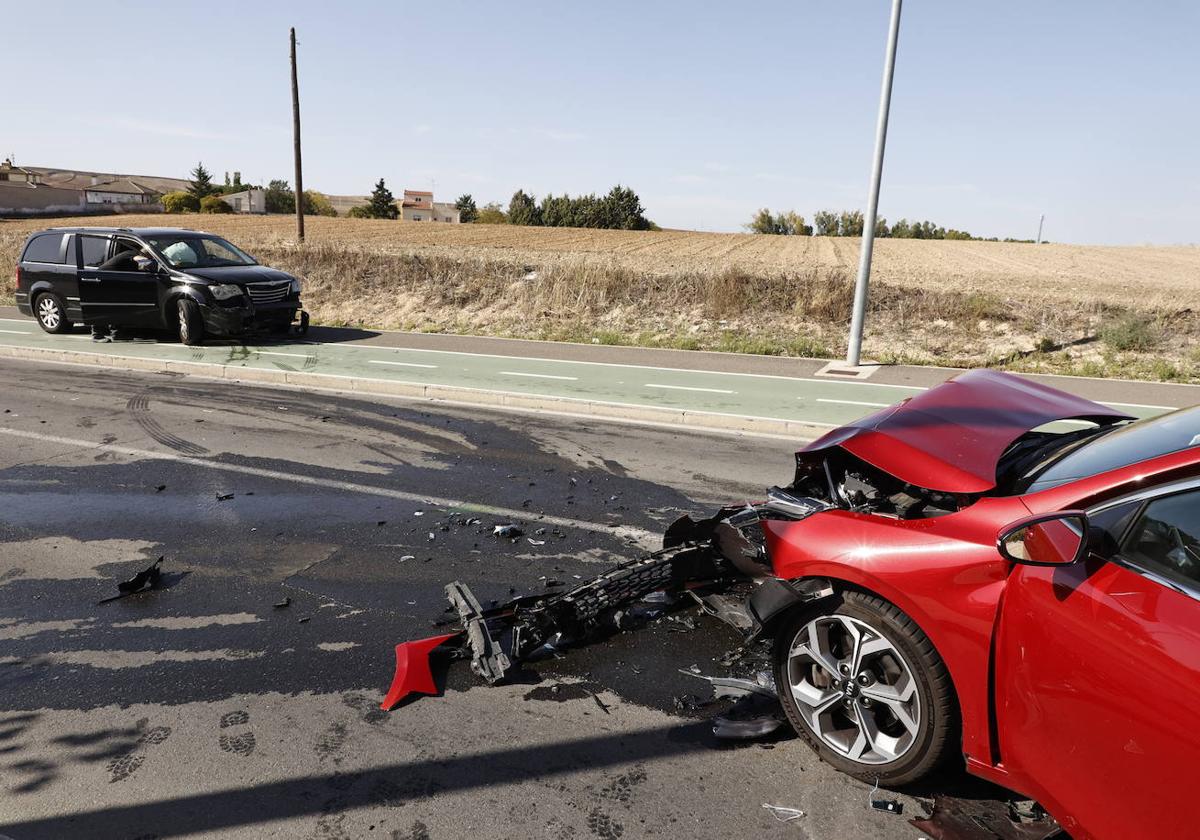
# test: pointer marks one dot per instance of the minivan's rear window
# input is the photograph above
(46, 248)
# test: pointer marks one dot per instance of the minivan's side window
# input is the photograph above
(93, 249)
(46, 248)
(1166, 538)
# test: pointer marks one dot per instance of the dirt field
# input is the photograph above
(1124, 310)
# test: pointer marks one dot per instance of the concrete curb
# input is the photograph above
(433, 393)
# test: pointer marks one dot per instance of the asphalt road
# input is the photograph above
(201, 709)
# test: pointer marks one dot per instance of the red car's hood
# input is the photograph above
(951, 437)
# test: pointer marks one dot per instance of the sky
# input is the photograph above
(1084, 111)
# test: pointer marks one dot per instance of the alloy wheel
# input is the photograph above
(49, 313)
(854, 689)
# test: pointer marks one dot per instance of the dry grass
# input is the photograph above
(1028, 307)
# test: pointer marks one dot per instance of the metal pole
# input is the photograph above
(854, 347)
(1041, 222)
(296, 137)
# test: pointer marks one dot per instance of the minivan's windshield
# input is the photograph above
(1125, 445)
(190, 250)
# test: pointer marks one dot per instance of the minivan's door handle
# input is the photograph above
(83, 279)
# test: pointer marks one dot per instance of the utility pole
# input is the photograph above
(854, 347)
(296, 138)
(1041, 222)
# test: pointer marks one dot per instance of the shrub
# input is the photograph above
(491, 214)
(1130, 331)
(359, 213)
(180, 202)
(214, 204)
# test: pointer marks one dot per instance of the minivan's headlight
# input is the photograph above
(295, 285)
(225, 291)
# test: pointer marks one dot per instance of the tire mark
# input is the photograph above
(139, 407)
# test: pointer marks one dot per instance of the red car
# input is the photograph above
(998, 570)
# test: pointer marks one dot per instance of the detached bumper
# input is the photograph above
(249, 318)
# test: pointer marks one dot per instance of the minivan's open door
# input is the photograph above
(115, 292)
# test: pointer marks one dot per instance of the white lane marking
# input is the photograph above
(1141, 405)
(639, 535)
(277, 353)
(851, 402)
(538, 375)
(690, 388)
(16, 332)
(399, 364)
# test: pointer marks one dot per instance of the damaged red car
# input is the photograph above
(1000, 571)
(993, 572)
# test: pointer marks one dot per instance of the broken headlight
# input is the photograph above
(225, 291)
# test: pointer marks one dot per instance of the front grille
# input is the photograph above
(268, 292)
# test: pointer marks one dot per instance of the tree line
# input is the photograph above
(619, 209)
(203, 195)
(851, 223)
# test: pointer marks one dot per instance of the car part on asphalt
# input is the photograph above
(148, 577)
(783, 813)
(954, 818)
(413, 673)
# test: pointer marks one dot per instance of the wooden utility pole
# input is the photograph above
(296, 138)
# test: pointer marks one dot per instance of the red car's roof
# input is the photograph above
(951, 437)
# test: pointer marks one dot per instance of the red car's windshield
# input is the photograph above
(1123, 446)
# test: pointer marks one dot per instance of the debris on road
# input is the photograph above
(891, 806)
(284, 603)
(507, 531)
(224, 497)
(413, 673)
(783, 813)
(953, 818)
(756, 712)
(146, 578)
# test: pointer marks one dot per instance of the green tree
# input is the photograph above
(850, 223)
(280, 198)
(793, 224)
(201, 184)
(382, 204)
(214, 204)
(901, 230)
(491, 214)
(360, 212)
(826, 222)
(180, 202)
(623, 210)
(763, 222)
(523, 210)
(881, 228)
(318, 204)
(467, 211)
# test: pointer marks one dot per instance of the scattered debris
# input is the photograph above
(755, 714)
(783, 813)
(303, 620)
(413, 674)
(601, 704)
(160, 488)
(532, 541)
(508, 531)
(953, 818)
(284, 603)
(146, 578)
(408, 557)
(224, 497)
(892, 806)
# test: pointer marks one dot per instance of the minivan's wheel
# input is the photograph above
(191, 325)
(51, 315)
(866, 688)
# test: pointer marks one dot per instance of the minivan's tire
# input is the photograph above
(50, 313)
(191, 324)
(892, 716)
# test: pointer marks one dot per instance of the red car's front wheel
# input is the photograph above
(866, 688)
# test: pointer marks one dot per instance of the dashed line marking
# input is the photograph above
(852, 402)
(538, 375)
(399, 364)
(16, 332)
(689, 388)
(277, 353)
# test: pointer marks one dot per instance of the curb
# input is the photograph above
(700, 420)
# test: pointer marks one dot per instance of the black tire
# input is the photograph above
(191, 324)
(938, 732)
(50, 313)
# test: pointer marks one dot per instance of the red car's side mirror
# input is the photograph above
(1048, 539)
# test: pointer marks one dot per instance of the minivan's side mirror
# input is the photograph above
(145, 263)
(1048, 539)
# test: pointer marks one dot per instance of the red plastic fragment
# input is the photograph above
(413, 675)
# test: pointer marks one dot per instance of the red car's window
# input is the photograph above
(1166, 538)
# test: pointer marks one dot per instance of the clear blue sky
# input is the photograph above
(1086, 111)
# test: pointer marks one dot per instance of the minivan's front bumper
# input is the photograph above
(252, 318)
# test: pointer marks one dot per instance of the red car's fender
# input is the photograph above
(944, 573)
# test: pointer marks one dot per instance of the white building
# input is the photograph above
(419, 206)
(247, 201)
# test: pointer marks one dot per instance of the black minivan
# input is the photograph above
(189, 282)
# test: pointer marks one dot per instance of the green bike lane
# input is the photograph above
(802, 399)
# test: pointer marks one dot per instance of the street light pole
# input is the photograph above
(296, 142)
(854, 347)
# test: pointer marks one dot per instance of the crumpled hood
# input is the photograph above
(239, 274)
(950, 438)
